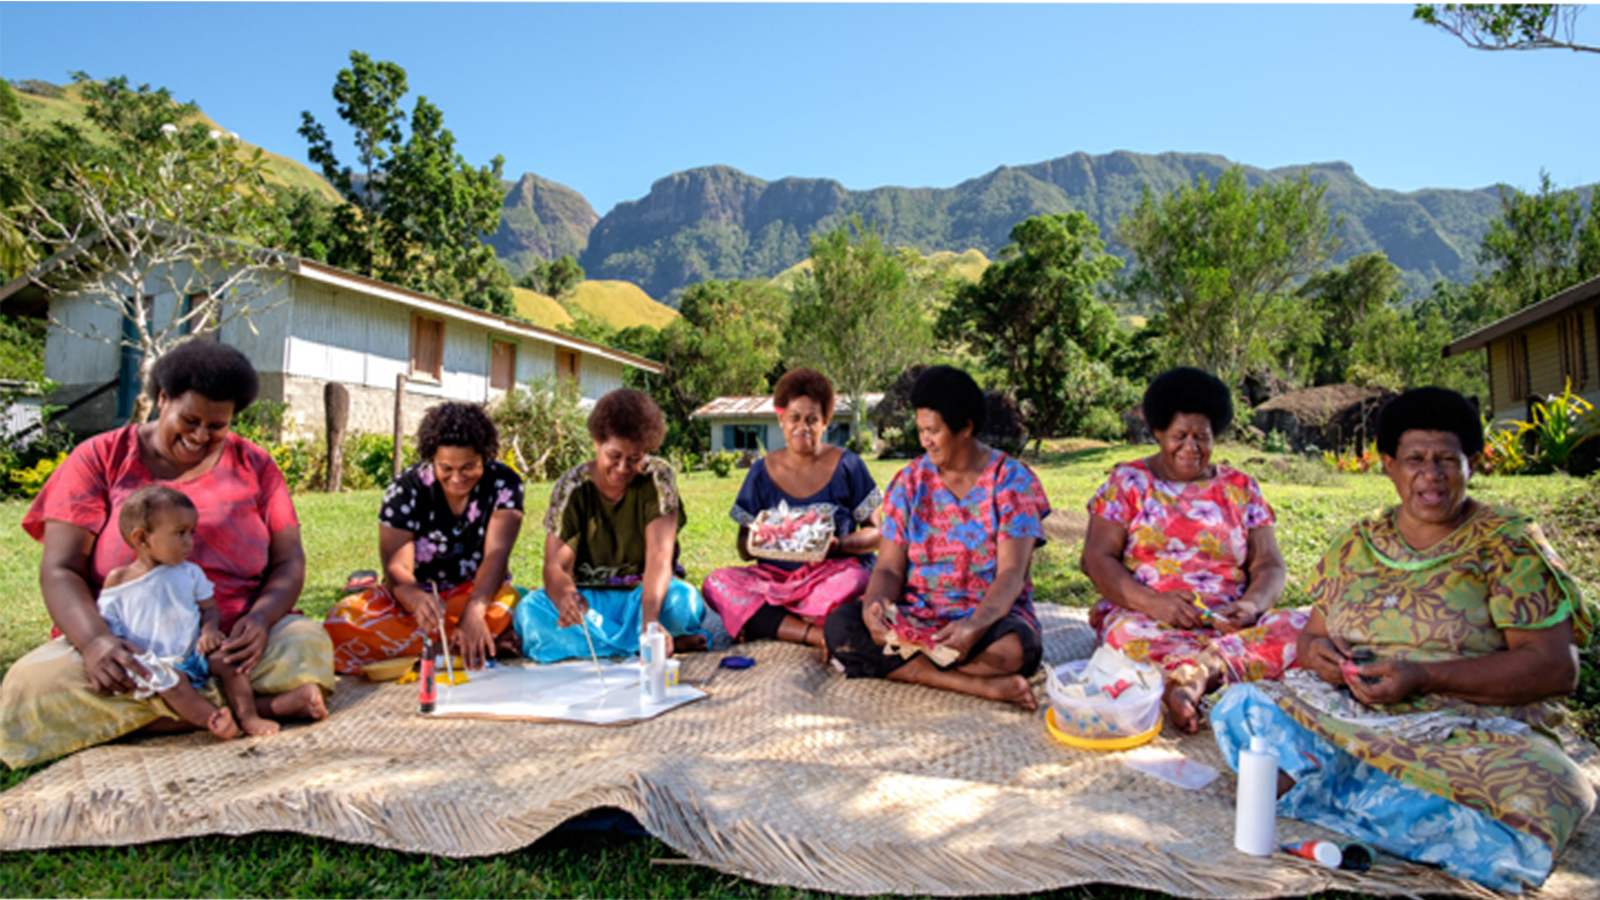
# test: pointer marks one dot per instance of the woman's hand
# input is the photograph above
(245, 643)
(424, 606)
(959, 636)
(570, 609)
(1235, 616)
(872, 615)
(1326, 657)
(1388, 681)
(1175, 609)
(108, 660)
(472, 638)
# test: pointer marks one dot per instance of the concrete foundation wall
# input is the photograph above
(371, 409)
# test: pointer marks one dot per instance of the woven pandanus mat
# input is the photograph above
(787, 774)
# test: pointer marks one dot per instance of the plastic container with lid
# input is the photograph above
(1104, 719)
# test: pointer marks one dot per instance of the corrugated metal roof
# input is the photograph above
(744, 407)
(1526, 317)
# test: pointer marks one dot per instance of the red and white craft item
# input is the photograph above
(784, 532)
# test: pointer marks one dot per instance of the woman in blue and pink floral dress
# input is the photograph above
(1184, 556)
(959, 529)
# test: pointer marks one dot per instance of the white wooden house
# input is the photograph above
(751, 423)
(317, 324)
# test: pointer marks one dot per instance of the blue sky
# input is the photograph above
(606, 98)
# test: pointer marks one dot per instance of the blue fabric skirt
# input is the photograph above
(614, 620)
(1339, 792)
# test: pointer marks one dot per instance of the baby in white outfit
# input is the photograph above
(161, 604)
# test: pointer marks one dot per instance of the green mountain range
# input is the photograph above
(541, 220)
(718, 222)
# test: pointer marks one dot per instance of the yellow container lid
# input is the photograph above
(1083, 743)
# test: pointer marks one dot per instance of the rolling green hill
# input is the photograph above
(619, 304)
(539, 308)
(968, 266)
(67, 106)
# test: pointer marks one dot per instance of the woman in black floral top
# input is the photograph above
(445, 533)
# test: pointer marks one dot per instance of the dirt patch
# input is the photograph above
(1066, 526)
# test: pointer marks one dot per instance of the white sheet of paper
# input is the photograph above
(569, 691)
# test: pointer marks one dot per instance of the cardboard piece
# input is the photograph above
(570, 691)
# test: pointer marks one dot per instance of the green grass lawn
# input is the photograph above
(1313, 504)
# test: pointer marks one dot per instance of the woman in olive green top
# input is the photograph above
(611, 546)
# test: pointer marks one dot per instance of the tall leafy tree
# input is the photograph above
(738, 331)
(1220, 263)
(1542, 244)
(1507, 26)
(180, 214)
(1035, 318)
(368, 95)
(554, 278)
(419, 211)
(857, 316)
(1342, 300)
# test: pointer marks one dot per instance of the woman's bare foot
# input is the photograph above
(1182, 700)
(688, 643)
(1009, 689)
(304, 702)
(255, 726)
(222, 725)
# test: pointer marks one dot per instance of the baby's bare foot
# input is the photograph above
(222, 725)
(257, 726)
(304, 702)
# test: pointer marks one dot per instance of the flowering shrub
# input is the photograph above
(27, 482)
(1357, 460)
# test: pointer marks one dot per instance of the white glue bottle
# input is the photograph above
(1256, 816)
(653, 664)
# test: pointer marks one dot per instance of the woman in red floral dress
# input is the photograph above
(1184, 556)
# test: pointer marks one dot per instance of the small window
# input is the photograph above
(744, 437)
(567, 364)
(502, 365)
(838, 434)
(1574, 353)
(1517, 366)
(427, 348)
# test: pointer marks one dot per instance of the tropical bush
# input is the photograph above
(543, 428)
(722, 463)
(1560, 426)
(1558, 438)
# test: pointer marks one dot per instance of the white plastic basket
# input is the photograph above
(1101, 717)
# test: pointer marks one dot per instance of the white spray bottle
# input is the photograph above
(1256, 815)
(653, 664)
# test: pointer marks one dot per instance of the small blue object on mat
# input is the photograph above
(737, 662)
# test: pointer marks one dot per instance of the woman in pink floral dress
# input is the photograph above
(1184, 556)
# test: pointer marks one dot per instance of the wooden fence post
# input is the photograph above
(336, 409)
(399, 420)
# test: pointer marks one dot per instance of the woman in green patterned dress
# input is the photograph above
(1443, 631)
